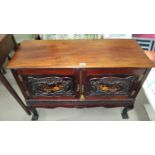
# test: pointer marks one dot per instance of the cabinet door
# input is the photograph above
(111, 83)
(48, 83)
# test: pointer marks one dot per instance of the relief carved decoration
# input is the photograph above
(51, 86)
(109, 86)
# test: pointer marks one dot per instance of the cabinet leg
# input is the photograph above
(35, 114)
(125, 112)
(9, 58)
(3, 70)
(13, 92)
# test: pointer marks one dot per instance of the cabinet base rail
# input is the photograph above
(128, 105)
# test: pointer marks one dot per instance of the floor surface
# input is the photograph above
(11, 111)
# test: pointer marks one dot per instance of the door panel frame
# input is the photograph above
(113, 72)
(20, 73)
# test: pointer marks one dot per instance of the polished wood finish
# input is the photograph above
(107, 73)
(21, 75)
(7, 43)
(110, 53)
(122, 73)
(151, 55)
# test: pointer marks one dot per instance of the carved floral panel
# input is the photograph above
(51, 86)
(108, 86)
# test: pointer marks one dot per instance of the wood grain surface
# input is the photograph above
(151, 55)
(107, 53)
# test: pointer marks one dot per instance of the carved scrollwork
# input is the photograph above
(109, 86)
(51, 86)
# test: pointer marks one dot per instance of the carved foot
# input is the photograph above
(35, 115)
(125, 112)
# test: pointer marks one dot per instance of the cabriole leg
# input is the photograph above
(35, 115)
(125, 112)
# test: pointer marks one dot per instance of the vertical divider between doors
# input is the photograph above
(82, 83)
(78, 83)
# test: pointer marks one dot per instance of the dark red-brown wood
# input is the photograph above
(84, 61)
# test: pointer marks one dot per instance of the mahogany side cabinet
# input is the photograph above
(80, 73)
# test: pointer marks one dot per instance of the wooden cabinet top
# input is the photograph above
(106, 53)
(151, 55)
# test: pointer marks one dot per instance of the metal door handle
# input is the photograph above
(82, 91)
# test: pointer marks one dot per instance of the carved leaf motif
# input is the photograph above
(50, 86)
(110, 85)
(112, 88)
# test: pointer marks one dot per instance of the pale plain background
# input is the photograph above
(77, 16)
